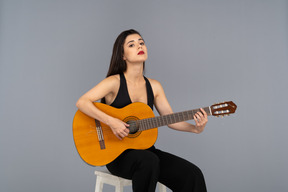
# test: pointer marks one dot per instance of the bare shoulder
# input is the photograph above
(154, 82)
(156, 85)
(107, 86)
(111, 81)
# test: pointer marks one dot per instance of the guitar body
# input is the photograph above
(98, 146)
(86, 134)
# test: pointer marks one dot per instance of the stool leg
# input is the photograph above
(118, 188)
(99, 184)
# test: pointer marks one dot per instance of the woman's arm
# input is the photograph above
(163, 107)
(105, 88)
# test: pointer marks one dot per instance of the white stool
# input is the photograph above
(104, 177)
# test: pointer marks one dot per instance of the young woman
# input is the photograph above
(126, 84)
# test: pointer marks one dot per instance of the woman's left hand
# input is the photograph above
(200, 120)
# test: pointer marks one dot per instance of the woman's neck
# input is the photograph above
(134, 72)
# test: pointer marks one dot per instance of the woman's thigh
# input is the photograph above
(132, 161)
(179, 174)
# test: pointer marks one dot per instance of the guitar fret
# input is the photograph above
(145, 124)
(163, 122)
(149, 123)
(186, 115)
(173, 118)
(141, 126)
(180, 117)
(154, 123)
(168, 119)
(159, 121)
(140, 123)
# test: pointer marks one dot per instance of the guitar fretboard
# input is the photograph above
(145, 124)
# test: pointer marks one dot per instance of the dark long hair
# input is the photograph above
(118, 64)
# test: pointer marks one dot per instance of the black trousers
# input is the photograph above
(146, 167)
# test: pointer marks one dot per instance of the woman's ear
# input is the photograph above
(123, 56)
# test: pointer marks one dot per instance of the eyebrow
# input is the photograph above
(133, 40)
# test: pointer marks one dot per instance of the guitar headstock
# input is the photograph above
(223, 109)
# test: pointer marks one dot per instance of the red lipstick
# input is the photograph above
(141, 53)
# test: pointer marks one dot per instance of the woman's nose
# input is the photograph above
(139, 46)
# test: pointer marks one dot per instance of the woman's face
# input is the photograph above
(135, 50)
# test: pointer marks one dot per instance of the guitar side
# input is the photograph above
(86, 136)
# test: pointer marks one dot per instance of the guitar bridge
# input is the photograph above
(100, 134)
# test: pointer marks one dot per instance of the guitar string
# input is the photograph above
(169, 119)
(100, 134)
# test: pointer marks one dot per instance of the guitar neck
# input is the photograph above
(145, 124)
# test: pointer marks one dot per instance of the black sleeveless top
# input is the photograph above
(122, 99)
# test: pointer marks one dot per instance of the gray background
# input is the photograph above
(202, 52)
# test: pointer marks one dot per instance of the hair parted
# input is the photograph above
(118, 64)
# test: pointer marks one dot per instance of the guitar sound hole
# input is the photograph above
(133, 127)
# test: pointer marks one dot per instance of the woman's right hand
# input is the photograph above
(119, 128)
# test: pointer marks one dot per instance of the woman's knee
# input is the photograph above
(148, 160)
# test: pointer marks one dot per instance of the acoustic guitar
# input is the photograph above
(98, 146)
